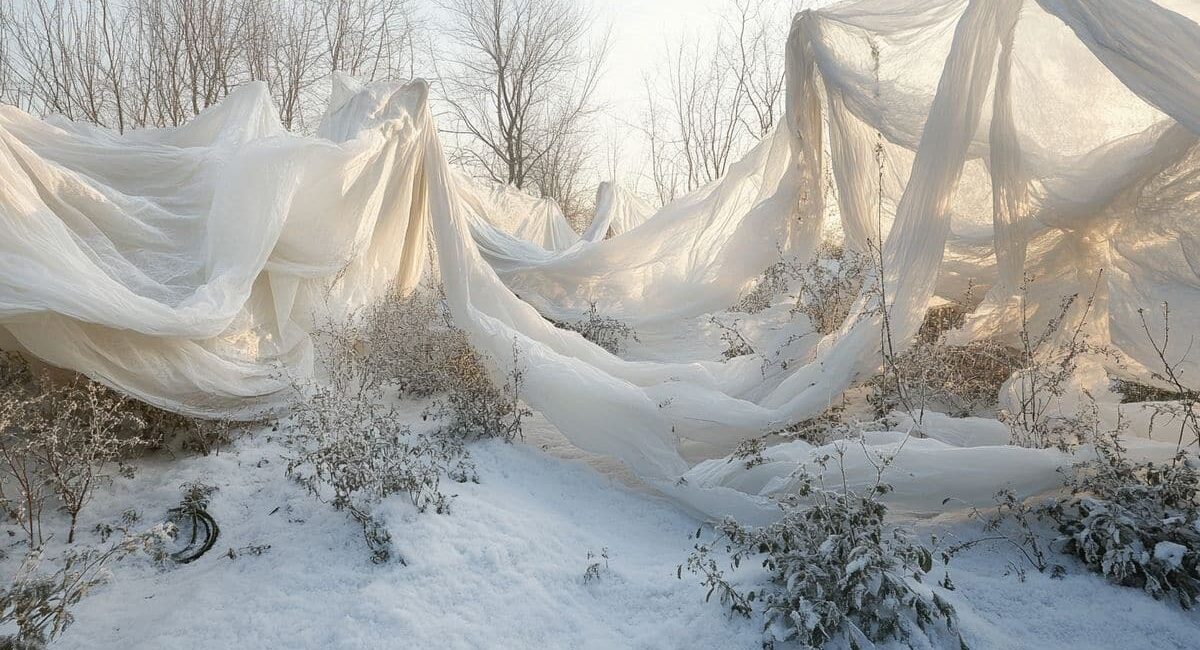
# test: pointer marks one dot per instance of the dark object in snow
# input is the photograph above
(191, 518)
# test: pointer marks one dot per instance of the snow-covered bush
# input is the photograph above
(959, 380)
(23, 487)
(347, 442)
(345, 449)
(352, 450)
(735, 343)
(825, 287)
(476, 407)
(605, 331)
(835, 571)
(38, 603)
(408, 343)
(828, 286)
(63, 439)
(88, 429)
(1138, 524)
(411, 342)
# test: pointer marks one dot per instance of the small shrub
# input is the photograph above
(411, 342)
(347, 443)
(476, 407)
(825, 286)
(736, 345)
(39, 603)
(749, 452)
(957, 380)
(1181, 404)
(63, 439)
(1137, 524)
(164, 429)
(609, 333)
(597, 566)
(20, 473)
(831, 425)
(1012, 522)
(772, 283)
(836, 571)
(88, 428)
(372, 455)
(829, 285)
(353, 450)
(69, 438)
(1046, 369)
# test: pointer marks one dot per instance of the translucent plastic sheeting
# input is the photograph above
(617, 211)
(980, 140)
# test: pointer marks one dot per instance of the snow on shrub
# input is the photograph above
(834, 571)
(346, 440)
(605, 331)
(63, 439)
(476, 407)
(829, 285)
(825, 287)
(411, 342)
(38, 603)
(957, 380)
(1137, 524)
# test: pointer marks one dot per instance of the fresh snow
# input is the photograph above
(505, 569)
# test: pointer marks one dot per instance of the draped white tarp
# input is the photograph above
(985, 139)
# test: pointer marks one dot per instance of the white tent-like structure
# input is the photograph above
(984, 139)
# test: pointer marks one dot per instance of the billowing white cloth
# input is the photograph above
(985, 139)
(506, 217)
(617, 211)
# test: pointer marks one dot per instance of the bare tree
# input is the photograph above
(10, 90)
(133, 63)
(284, 50)
(520, 85)
(722, 94)
(759, 30)
(368, 38)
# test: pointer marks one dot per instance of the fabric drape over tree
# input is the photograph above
(980, 140)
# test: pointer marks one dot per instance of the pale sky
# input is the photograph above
(641, 33)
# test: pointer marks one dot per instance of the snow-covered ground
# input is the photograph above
(505, 569)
